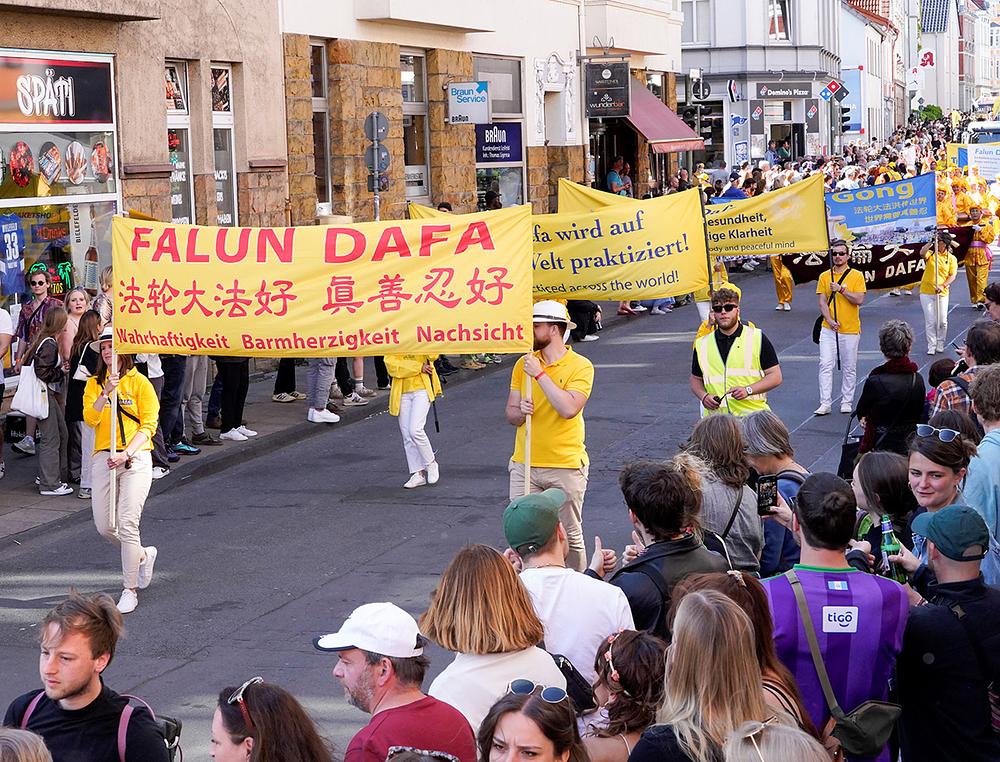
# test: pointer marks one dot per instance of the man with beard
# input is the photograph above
(561, 382)
(76, 714)
(381, 668)
(735, 365)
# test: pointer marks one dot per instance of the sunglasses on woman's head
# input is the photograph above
(724, 307)
(945, 435)
(524, 687)
(237, 698)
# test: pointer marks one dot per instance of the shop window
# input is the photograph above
(777, 19)
(654, 82)
(778, 111)
(500, 164)
(179, 143)
(321, 124)
(222, 140)
(504, 76)
(415, 138)
(697, 16)
(58, 186)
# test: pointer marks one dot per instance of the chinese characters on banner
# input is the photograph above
(636, 250)
(784, 221)
(904, 211)
(889, 266)
(461, 284)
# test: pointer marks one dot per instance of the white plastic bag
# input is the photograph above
(32, 396)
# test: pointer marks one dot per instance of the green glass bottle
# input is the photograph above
(890, 547)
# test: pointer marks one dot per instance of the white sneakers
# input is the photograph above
(146, 568)
(26, 446)
(823, 410)
(159, 472)
(783, 307)
(431, 476)
(246, 432)
(62, 489)
(233, 435)
(415, 480)
(128, 602)
(846, 407)
(321, 416)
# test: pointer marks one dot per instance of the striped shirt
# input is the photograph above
(859, 620)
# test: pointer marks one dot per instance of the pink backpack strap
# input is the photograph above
(123, 721)
(123, 730)
(31, 708)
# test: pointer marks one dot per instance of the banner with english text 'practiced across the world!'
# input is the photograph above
(635, 250)
(785, 221)
(457, 285)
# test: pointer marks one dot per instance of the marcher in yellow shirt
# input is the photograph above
(946, 216)
(977, 258)
(131, 466)
(703, 296)
(841, 291)
(940, 270)
(415, 386)
(561, 383)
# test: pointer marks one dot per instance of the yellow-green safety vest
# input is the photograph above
(741, 368)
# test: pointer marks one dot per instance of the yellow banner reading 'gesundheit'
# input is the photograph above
(785, 221)
(636, 250)
(461, 284)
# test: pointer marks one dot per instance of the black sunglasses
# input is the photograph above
(945, 435)
(524, 687)
(39, 283)
(237, 698)
(724, 307)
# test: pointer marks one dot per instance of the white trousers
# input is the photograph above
(87, 435)
(935, 320)
(413, 409)
(828, 341)
(133, 488)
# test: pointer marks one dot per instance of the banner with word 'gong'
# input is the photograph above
(636, 250)
(784, 221)
(461, 284)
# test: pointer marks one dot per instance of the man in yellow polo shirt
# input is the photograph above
(940, 270)
(561, 382)
(841, 292)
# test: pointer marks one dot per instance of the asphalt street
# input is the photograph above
(258, 559)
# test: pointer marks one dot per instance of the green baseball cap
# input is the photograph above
(954, 529)
(530, 521)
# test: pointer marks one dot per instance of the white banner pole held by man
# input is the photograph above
(527, 437)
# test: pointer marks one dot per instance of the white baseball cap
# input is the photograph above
(381, 628)
(551, 311)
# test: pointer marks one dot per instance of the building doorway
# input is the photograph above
(610, 138)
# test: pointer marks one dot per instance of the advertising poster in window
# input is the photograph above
(225, 182)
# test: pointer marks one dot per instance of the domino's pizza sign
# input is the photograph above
(812, 112)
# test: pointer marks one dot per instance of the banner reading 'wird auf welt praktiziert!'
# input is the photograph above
(901, 212)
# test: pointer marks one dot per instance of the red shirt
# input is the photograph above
(426, 724)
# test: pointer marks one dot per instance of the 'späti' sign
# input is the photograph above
(458, 284)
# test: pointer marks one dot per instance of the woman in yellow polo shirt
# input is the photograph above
(415, 385)
(131, 466)
(940, 269)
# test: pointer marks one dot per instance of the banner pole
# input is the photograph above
(113, 475)
(527, 436)
(708, 253)
(829, 253)
(937, 283)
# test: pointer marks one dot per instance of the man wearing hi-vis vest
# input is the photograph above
(735, 365)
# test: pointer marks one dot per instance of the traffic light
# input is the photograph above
(690, 116)
(845, 119)
(707, 119)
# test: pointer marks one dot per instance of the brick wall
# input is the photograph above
(298, 113)
(261, 198)
(452, 146)
(147, 195)
(364, 76)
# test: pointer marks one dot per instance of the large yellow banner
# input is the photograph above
(785, 221)
(461, 284)
(634, 250)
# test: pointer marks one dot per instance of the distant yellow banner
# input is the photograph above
(635, 250)
(785, 221)
(457, 285)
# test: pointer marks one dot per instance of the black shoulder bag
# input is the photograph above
(818, 325)
(864, 731)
